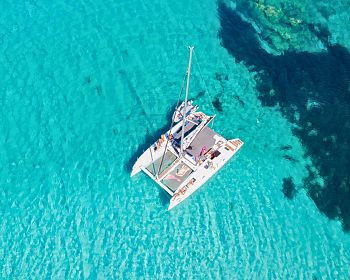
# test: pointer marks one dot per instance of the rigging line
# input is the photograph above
(205, 85)
(186, 99)
(154, 169)
(172, 122)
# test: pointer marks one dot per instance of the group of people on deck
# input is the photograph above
(161, 141)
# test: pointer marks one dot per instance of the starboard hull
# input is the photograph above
(207, 170)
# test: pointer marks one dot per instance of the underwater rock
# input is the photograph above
(200, 94)
(289, 158)
(98, 90)
(283, 25)
(217, 104)
(241, 102)
(88, 79)
(288, 188)
(285, 148)
(218, 77)
(295, 21)
(269, 10)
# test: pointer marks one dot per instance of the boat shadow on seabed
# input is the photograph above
(316, 88)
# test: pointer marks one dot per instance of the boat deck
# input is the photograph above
(205, 138)
(177, 176)
(189, 127)
(173, 171)
(168, 160)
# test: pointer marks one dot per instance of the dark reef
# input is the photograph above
(313, 92)
(288, 188)
(217, 104)
(285, 148)
(289, 158)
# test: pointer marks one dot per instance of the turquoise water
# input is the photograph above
(85, 85)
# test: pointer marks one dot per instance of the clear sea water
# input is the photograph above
(85, 86)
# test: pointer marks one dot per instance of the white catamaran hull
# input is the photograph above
(205, 171)
(151, 155)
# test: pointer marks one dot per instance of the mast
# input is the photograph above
(186, 98)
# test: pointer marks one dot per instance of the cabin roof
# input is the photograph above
(205, 138)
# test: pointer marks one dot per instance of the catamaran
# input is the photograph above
(188, 154)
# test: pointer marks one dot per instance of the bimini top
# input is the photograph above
(205, 138)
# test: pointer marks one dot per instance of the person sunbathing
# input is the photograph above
(191, 182)
(182, 171)
(171, 177)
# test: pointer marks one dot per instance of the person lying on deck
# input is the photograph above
(182, 171)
